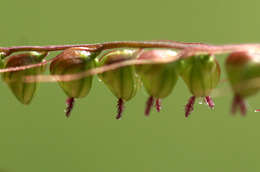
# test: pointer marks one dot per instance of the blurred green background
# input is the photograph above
(39, 137)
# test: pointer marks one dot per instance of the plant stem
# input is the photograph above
(185, 50)
(138, 44)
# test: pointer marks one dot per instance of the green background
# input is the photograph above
(39, 137)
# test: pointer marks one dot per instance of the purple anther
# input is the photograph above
(210, 102)
(120, 108)
(149, 104)
(189, 106)
(158, 105)
(238, 102)
(70, 103)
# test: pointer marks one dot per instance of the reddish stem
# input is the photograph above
(149, 104)
(70, 103)
(187, 50)
(138, 44)
(120, 108)
(210, 102)
(158, 105)
(189, 106)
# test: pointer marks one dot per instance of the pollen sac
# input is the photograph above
(122, 82)
(242, 71)
(158, 79)
(74, 61)
(201, 74)
(23, 91)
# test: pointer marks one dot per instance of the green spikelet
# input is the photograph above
(23, 91)
(73, 61)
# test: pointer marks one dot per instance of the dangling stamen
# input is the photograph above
(158, 105)
(238, 102)
(149, 105)
(210, 102)
(70, 103)
(242, 106)
(120, 108)
(189, 106)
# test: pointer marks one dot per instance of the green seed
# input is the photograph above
(122, 82)
(200, 73)
(158, 79)
(23, 91)
(73, 61)
(242, 69)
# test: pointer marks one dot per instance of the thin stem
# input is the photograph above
(187, 50)
(207, 48)
(107, 45)
(98, 70)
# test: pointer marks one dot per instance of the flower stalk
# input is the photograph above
(157, 71)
